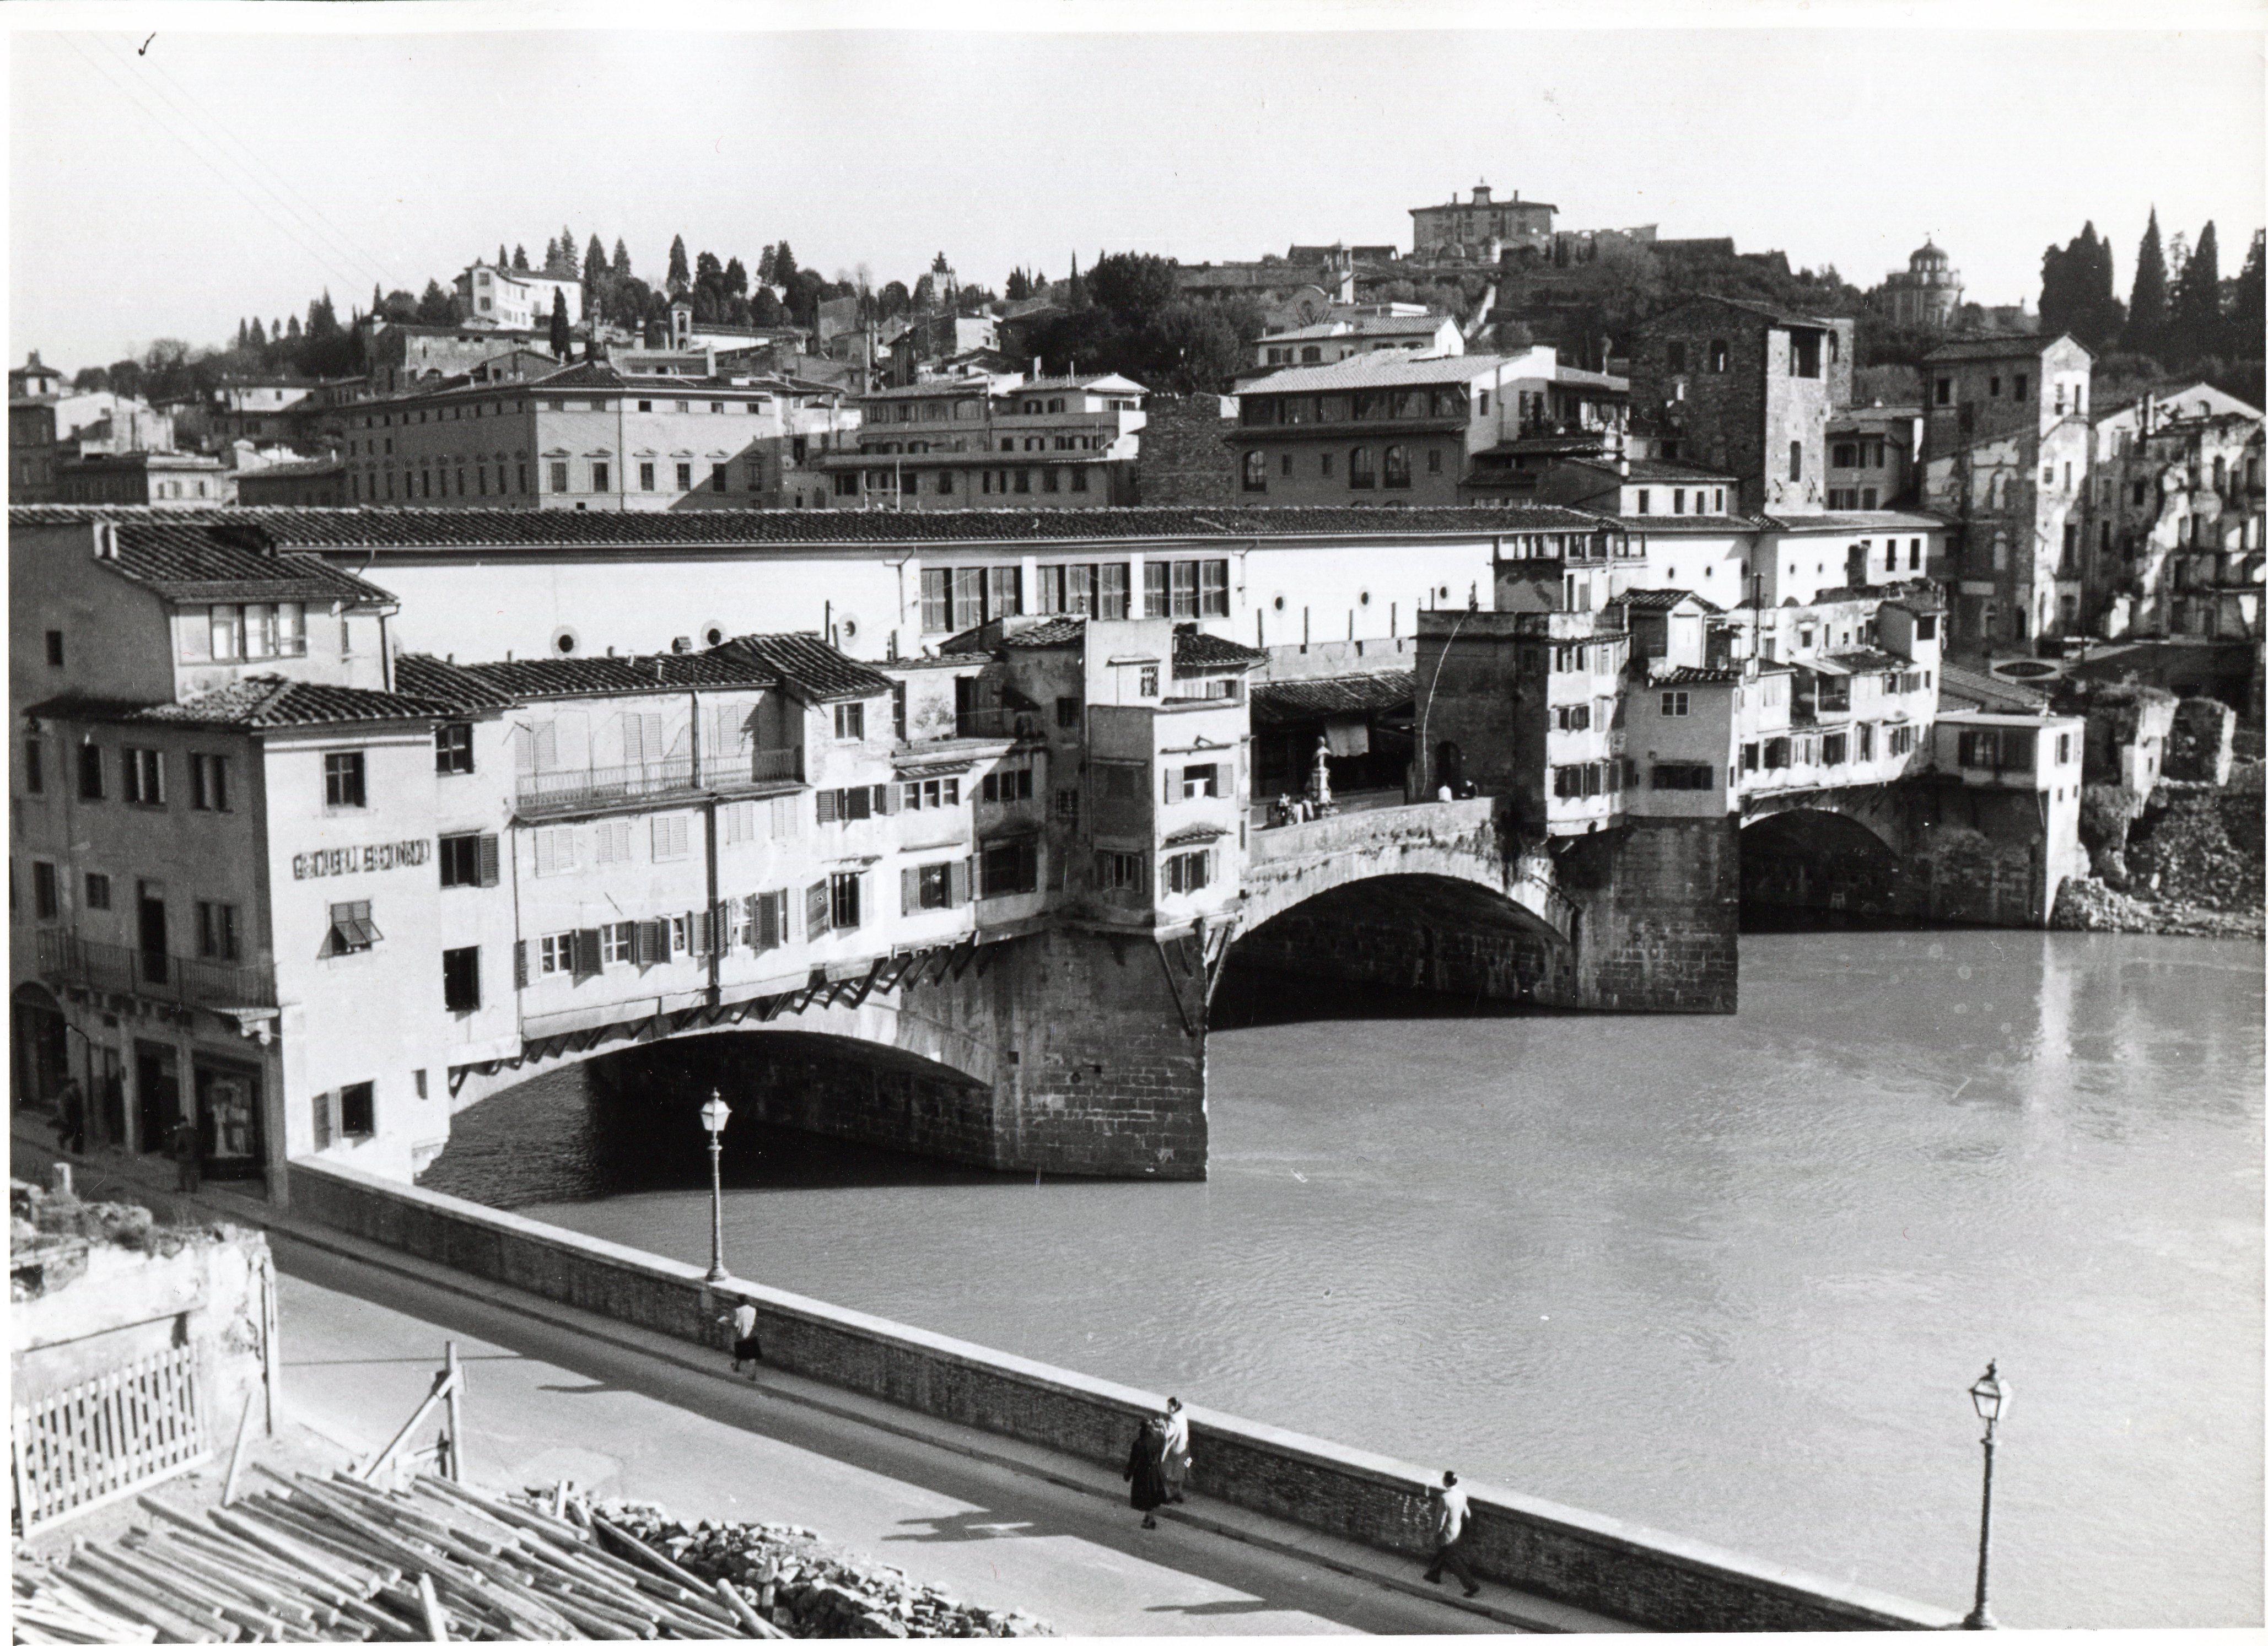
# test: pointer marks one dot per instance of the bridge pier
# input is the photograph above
(1660, 925)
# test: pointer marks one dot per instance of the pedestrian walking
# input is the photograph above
(70, 1119)
(745, 1346)
(1451, 1508)
(187, 1147)
(1145, 1467)
(1175, 1463)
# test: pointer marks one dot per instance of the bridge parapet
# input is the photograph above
(1458, 840)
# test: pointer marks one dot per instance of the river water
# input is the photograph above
(1724, 1277)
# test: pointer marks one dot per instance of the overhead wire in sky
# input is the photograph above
(307, 210)
(330, 259)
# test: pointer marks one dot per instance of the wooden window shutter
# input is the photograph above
(699, 920)
(322, 1120)
(633, 741)
(827, 808)
(642, 945)
(520, 964)
(752, 914)
(818, 916)
(886, 799)
(492, 855)
(957, 883)
(546, 745)
(773, 908)
(523, 748)
(910, 890)
(587, 951)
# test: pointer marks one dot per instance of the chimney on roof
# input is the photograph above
(682, 644)
(105, 540)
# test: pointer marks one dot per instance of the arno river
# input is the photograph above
(1726, 1276)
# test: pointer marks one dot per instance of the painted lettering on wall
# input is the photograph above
(400, 854)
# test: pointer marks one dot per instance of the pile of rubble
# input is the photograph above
(2084, 904)
(812, 1590)
(2198, 845)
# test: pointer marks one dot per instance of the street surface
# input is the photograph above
(545, 1401)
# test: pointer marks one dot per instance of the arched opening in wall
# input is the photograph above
(806, 1109)
(1802, 870)
(1395, 946)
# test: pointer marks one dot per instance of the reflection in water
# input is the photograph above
(1727, 1276)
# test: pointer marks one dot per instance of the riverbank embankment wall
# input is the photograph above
(1589, 1560)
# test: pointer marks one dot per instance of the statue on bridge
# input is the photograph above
(1319, 781)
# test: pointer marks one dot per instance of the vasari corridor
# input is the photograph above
(1314, 826)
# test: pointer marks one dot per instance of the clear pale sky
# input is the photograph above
(220, 175)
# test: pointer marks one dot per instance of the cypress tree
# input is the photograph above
(2247, 313)
(621, 261)
(680, 272)
(561, 340)
(2197, 298)
(520, 258)
(2145, 309)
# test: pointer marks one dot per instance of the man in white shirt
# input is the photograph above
(1451, 1508)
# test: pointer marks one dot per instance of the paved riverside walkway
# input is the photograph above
(554, 1392)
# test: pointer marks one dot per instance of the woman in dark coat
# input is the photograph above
(1146, 1466)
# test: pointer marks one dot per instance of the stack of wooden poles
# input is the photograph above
(339, 1559)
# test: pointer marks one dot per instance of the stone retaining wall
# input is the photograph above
(1584, 1560)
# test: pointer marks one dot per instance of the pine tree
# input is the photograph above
(2145, 309)
(595, 264)
(562, 341)
(783, 267)
(2197, 298)
(681, 275)
(622, 269)
(520, 258)
(567, 264)
(765, 268)
(293, 335)
(1019, 286)
(736, 279)
(258, 339)
(550, 255)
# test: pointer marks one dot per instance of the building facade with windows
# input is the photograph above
(302, 911)
(590, 436)
(1343, 336)
(515, 299)
(163, 479)
(1748, 389)
(2005, 447)
(2173, 540)
(1872, 456)
(1468, 227)
(993, 442)
(1386, 428)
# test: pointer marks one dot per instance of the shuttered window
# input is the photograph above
(817, 910)
(671, 831)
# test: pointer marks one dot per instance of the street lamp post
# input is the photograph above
(1992, 1397)
(714, 1114)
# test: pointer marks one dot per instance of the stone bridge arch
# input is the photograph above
(1878, 808)
(1816, 857)
(1423, 897)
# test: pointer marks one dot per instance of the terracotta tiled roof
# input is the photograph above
(320, 530)
(526, 678)
(1194, 649)
(1698, 677)
(806, 665)
(259, 702)
(1661, 600)
(211, 557)
(1957, 685)
(2008, 346)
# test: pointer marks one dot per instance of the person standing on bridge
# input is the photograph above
(1451, 1508)
(1175, 1463)
(1145, 1467)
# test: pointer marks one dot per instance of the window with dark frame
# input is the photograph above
(208, 783)
(359, 1110)
(352, 930)
(452, 748)
(216, 932)
(460, 979)
(98, 889)
(342, 780)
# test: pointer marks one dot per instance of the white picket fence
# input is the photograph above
(111, 1435)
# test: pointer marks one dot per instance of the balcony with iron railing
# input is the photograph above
(64, 957)
(535, 793)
